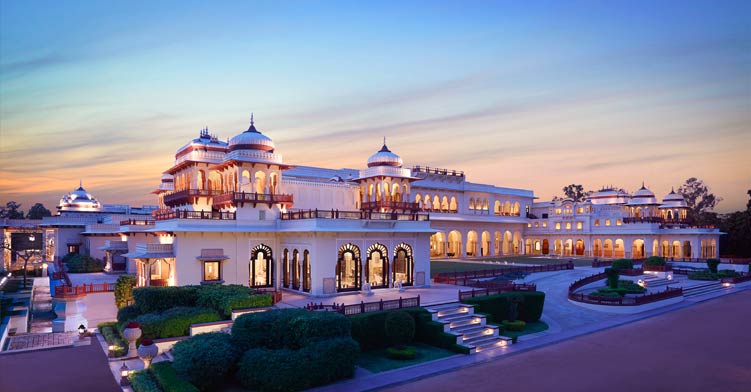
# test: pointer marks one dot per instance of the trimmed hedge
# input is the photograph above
(82, 264)
(621, 264)
(497, 306)
(157, 299)
(517, 325)
(712, 265)
(612, 275)
(112, 335)
(124, 290)
(287, 328)
(655, 261)
(400, 327)
(167, 378)
(143, 381)
(205, 360)
(221, 298)
(127, 313)
(174, 322)
(404, 353)
(320, 363)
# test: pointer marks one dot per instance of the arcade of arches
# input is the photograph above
(476, 243)
(380, 268)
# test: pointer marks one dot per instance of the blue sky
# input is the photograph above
(535, 95)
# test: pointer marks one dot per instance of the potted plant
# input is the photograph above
(132, 332)
(147, 351)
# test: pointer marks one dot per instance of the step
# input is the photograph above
(486, 331)
(470, 328)
(456, 317)
(491, 343)
(459, 310)
(702, 285)
(448, 306)
(705, 291)
(468, 321)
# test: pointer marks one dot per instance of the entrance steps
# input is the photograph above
(653, 281)
(471, 329)
(703, 289)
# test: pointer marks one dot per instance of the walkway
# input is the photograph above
(696, 348)
(42, 313)
(82, 368)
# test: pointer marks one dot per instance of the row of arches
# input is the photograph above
(482, 244)
(377, 270)
(373, 190)
(617, 248)
(296, 269)
(437, 203)
(259, 181)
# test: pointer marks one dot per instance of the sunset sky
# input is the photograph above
(535, 95)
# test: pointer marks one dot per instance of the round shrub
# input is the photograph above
(622, 264)
(400, 327)
(401, 353)
(712, 265)
(205, 360)
(82, 264)
(124, 290)
(612, 275)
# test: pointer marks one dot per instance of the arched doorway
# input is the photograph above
(507, 246)
(485, 248)
(597, 248)
(619, 250)
(376, 266)
(497, 243)
(261, 262)
(517, 241)
(348, 269)
(295, 269)
(676, 251)
(528, 247)
(306, 271)
(455, 244)
(403, 264)
(687, 249)
(607, 248)
(637, 249)
(558, 247)
(285, 268)
(545, 247)
(472, 243)
(579, 249)
(437, 245)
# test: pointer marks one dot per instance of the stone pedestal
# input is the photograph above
(131, 335)
(69, 315)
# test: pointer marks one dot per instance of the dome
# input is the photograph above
(608, 196)
(78, 200)
(251, 139)
(643, 196)
(384, 157)
(673, 200)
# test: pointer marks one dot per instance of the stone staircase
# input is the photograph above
(470, 329)
(654, 281)
(704, 288)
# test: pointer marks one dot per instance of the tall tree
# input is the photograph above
(698, 197)
(748, 205)
(12, 210)
(37, 211)
(575, 192)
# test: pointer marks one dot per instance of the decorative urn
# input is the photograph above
(147, 351)
(132, 332)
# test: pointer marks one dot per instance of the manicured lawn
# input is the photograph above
(530, 328)
(456, 266)
(376, 361)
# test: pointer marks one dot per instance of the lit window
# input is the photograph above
(579, 226)
(607, 222)
(558, 211)
(544, 224)
(580, 210)
(529, 224)
(211, 271)
(618, 222)
(557, 226)
(597, 222)
(568, 225)
(537, 224)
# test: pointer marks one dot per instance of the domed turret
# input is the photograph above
(79, 200)
(643, 196)
(608, 196)
(384, 157)
(673, 200)
(251, 139)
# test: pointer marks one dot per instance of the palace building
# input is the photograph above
(235, 212)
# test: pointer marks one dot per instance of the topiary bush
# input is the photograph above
(399, 327)
(702, 275)
(317, 326)
(157, 299)
(124, 290)
(269, 329)
(205, 360)
(497, 306)
(655, 261)
(174, 322)
(83, 264)
(612, 275)
(167, 378)
(622, 264)
(712, 265)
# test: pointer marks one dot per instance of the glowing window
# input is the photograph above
(568, 225)
(211, 271)
(579, 226)
(580, 210)
(557, 226)
(529, 225)
(607, 222)
(597, 222)
(618, 222)
(537, 224)
(544, 224)
(558, 211)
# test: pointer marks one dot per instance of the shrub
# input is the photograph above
(82, 264)
(112, 335)
(622, 264)
(269, 329)
(655, 261)
(313, 327)
(517, 325)
(205, 360)
(612, 275)
(142, 381)
(496, 306)
(727, 273)
(403, 353)
(712, 265)
(127, 313)
(167, 378)
(369, 329)
(702, 275)
(604, 294)
(124, 290)
(157, 299)
(400, 327)
(174, 322)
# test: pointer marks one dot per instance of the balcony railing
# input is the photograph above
(391, 205)
(239, 198)
(178, 214)
(361, 215)
(187, 196)
(435, 170)
(136, 222)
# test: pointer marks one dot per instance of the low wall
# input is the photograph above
(628, 309)
(4, 329)
(19, 321)
(167, 344)
(215, 326)
(239, 312)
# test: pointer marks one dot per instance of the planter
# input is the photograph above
(132, 333)
(147, 352)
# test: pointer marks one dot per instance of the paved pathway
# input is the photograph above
(41, 340)
(41, 314)
(82, 368)
(698, 348)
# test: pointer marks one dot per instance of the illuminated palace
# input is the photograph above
(236, 213)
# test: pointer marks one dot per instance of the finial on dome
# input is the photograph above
(251, 118)
(642, 185)
(672, 189)
(384, 140)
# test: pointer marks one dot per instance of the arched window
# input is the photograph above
(471, 203)
(403, 264)
(261, 264)
(452, 205)
(377, 266)
(348, 269)
(285, 268)
(295, 269)
(306, 271)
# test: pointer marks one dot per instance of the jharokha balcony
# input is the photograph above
(238, 199)
(363, 215)
(179, 214)
(389, 205)
(188, 196)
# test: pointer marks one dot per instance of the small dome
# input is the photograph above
(643, 196)
(251, 139)
(673, 200)
(384, 157)
(78, 200)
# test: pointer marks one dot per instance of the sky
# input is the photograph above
(532, 95)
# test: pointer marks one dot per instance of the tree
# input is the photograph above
(748, 205)
(698, 198)
(12, 210)
(37, 211)
(575, 192)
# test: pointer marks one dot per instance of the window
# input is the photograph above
(211, 271)
(558, 226)
(607, 222)
(537, 224)
(618, 222)
(544, 224)
(529, 224)
(568, 225)
(579, 226)
(558, 211)
(73, 248)
(580, 210)
(597, 222)
(544, 216)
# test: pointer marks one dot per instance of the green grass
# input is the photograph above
(377, 361)
(453, 266)
(530, 328)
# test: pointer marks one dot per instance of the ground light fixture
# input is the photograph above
(124, 372)
(111, 351)
(81, 330)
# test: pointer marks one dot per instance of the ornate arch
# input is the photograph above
(261, 273)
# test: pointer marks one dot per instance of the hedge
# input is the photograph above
(654, 261)
(167, 378)
(112, 335)
(124, 290)
(205, 360)
(287, 328)
(81, 264)
(143, 381)
(497, 306)
(127, 313)
(174, 322)
(293, 370)
(400, 327)
(221, 298)
(621, 264)
(157, 299)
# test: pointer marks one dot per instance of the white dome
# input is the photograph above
(78, 200)
(673, 200)
(643, 196)
(384, 157)
(251, 139)
(608, 196)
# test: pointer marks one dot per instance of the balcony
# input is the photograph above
(655, 219)
(355, 215)
(435, 170)
(238, 199)
(136, 222)
(179, 214)
(188, 196)
(390, 205)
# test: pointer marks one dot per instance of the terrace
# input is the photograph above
(353, 215)
(240, 198)
(180, 214)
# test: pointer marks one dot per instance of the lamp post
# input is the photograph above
(124, 371)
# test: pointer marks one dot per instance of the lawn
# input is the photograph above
(483, 264)
(376, 361)
(530, 328)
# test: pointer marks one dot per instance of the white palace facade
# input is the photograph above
(236, 213)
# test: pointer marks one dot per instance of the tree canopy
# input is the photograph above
(574, 192)
(698, 197)
(12, 210)
(38, 211)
